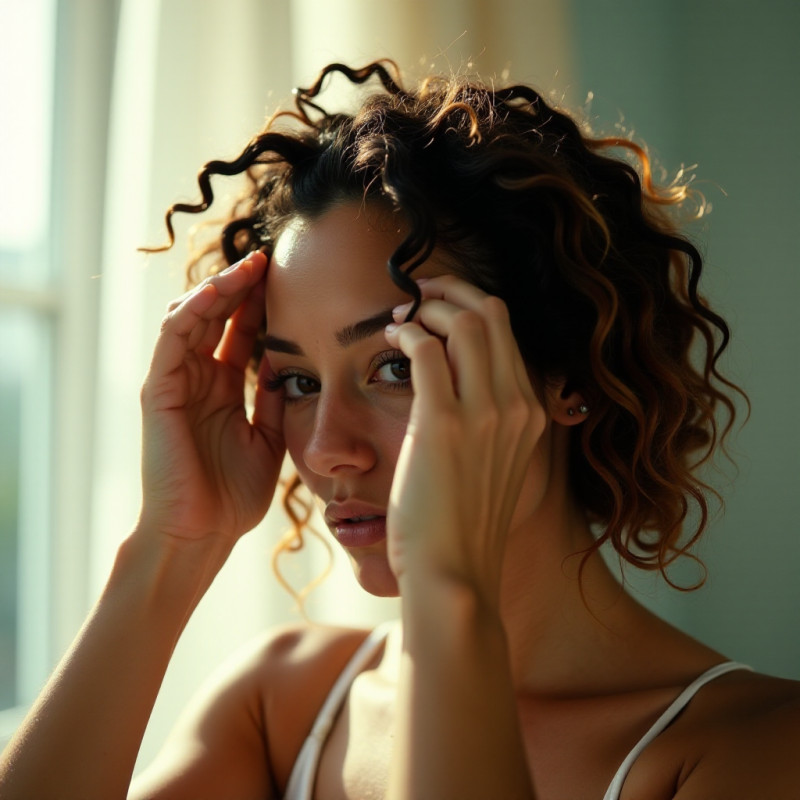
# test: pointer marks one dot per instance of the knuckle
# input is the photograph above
(495, 308)
(166, 320)
(537, 421)
(489, 420)
(450, 427)
(519, 413)
(146, 393)
(447, 279)
(427, 348)
(467, 323)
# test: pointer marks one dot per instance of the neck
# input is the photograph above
(572, 629)
(554, 597)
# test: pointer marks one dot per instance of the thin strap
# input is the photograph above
(675, 708)
(304, 771)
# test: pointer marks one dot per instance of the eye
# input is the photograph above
(296, 385)
(397, 370)
(393, 369)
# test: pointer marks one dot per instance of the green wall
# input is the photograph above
(716, 83)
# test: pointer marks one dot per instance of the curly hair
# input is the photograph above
(568, 229)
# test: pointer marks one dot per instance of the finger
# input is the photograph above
(205, 338)
(465, 334)
(172, 344)
(186, 325)
(505, 355)
(430, 370)
(224, 278)
(236, 346)
(234, 283)
(454, 290)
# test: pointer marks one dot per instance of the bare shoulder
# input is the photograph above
(297, 667)
(242, 731)
(300, 649)
(738, 738)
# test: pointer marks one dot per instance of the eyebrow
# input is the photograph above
(346, 336)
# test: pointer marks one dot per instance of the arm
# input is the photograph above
(218, 747)
(208, 476)
(473, 426)
(88, 723)
(458, 732)
(241, 734)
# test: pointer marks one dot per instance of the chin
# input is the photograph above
(375, 577)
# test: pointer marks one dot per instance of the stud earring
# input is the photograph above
(583, 408)
(571, 412)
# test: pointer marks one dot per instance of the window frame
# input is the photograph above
(85, 35)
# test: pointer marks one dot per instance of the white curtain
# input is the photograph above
(193, 80)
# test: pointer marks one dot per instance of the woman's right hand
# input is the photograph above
(208, 470)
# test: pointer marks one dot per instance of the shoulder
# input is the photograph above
(302, 648)
(294, 668)
(243, 730)
(283, 661)
(300, 661)
(738, 738)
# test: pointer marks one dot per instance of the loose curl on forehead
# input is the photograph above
(569, 230)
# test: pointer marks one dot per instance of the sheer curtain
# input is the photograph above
(193, 79)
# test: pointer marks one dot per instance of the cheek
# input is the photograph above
(393, 433)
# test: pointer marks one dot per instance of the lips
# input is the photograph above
(356, 524)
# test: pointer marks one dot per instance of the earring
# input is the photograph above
(571, 411)
(583, 408)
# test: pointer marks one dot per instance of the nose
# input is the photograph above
(341, 439)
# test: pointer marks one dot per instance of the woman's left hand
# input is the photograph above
(474, 423)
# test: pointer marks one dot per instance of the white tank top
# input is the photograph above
(304, 772)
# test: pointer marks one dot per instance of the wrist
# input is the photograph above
(165, 570)
(457, 591)
(446, 610)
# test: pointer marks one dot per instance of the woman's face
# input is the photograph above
(347, 392)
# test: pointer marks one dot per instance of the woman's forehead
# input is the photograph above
(339, 257)
(337, 234)
(335, 254)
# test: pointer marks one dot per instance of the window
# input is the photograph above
(56, 60)
(28, 308)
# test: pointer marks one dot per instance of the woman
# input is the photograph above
(565, 389)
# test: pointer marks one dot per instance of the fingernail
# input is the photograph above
(238, 264)
(391, 327)
(401, 310)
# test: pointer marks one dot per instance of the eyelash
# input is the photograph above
(390, 357)
(278, 381)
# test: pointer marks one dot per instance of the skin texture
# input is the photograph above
(345, 436)
(507, 678)
(616, 653)
(329, 435)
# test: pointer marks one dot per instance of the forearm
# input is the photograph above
(458, 730)
(83, 734)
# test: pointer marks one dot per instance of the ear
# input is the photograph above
(566, 406)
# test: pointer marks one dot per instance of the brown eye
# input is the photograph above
(397, 370)
(298, 386)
